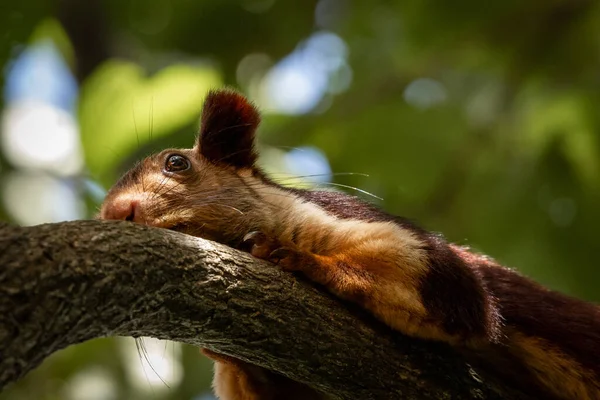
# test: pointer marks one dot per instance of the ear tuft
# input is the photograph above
(227, 129)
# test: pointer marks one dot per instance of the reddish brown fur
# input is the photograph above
(239, 380)
(413, 280)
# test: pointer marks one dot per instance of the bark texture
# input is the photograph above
(62, 284)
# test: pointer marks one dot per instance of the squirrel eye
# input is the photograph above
(177, 163)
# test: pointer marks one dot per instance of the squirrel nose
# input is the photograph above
(124, 209)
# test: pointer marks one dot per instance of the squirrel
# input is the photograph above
(413, 280)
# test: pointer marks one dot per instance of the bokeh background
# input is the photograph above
(476, 119)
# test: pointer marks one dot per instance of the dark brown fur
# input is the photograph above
(413, 280)
(227, 129)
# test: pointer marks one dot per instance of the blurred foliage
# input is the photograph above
(119, 96)
(506, 158)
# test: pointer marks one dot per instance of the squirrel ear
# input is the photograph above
(227, 129)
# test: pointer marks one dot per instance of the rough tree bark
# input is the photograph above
(62, 284)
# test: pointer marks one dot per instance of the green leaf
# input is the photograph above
(120, 108)
(563, 117)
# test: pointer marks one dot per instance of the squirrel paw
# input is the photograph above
(261, 246)
(286, 258)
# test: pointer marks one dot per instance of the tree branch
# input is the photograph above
(66, 283)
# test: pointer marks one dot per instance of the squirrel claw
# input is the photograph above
(279, 254)
(285, 258)
(254, 238)
(258, 244)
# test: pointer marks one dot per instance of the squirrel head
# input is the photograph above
(205, 191)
